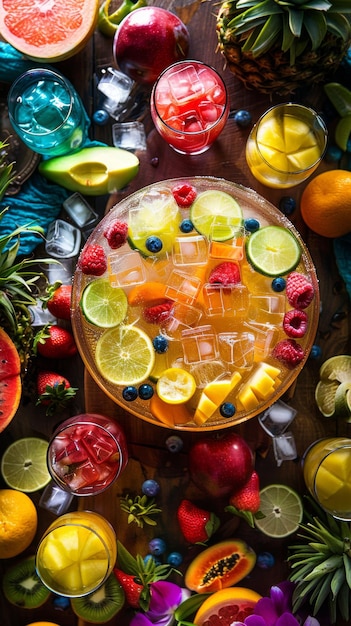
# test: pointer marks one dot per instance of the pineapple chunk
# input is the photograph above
(54, 558)
(247, 398)
(270, 134)
(93, 548)
(212, 397)
(93, 571)
(304, 158)
(261, 384)
(69, 578)
(295, 132)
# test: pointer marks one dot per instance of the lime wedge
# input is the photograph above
(23, 465)
(343, 401)
(336, 368)
(282, 510)
(325, 396)
(103, 305)
(125, 355)
(342, 132)
(273, 251)
(218, 210)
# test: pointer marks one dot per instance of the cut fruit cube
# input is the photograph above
(304, 158)
(205, 409)
(295, 131)
(271, 370)
(93, 571)
(218, 390)
(54, 558)
(92, 548)
(69, 578)
(169, 414)
(261, 384)
(271, 134)
(247, 398)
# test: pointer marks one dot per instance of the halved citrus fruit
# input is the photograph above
(23, 464)
(233, 605)
(336, 368)
(175, 385)
(325, 396)
(218, 210)
(282, 509)
(273, 250)
(48, 33)
(103, 305)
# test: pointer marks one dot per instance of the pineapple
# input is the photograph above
(278, 46)
(321, 566)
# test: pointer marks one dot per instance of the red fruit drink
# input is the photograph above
(87, 453)
(189, 106)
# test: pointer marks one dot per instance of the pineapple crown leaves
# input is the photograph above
(140, 510)
(292, 24)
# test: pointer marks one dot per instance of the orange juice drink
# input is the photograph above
(286, 145)
(327, 474)
(76, 553)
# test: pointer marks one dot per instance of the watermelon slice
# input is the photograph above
(10, 379)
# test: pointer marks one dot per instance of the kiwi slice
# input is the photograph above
(101, 605)
(22, 585)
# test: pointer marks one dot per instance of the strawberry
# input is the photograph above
(116, 234)
(132, 589)
(93, 260)
(288, 352)
(158, 313)
(58, 300)
(54, 391)
(55, 342)
(184, 194)
(295, 323)
(299, 290)
(226, 273)
(197, 524)
(248, 497)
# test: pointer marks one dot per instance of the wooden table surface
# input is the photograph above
(149, 457)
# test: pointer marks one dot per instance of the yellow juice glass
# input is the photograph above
(76, 554)
(327, 474)
(286, 145)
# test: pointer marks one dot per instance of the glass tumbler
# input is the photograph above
(327, 474)
(76, 554)
(189, 106)
(286, 145)
(46, 113)
(86, 454)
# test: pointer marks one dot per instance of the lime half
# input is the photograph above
(273, 251)
(103, 305)
(336, 368)
(125, 355)
(325, 396)
(216, 211)
(282, 510)
(23, 464)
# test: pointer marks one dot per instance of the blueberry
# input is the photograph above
(186, 226)
(174, 443)
(150, 488)
(278, 284)
(243, 118)
(265, 560)
(130, 393)
(157, 546)
(61, 603)
(227, 409)
(316, 352)
(101, 117)
(160, 344)
(287, 205)
(151, 557)
(146, 391)
(153, 244)
(175, 559)
(251, 224)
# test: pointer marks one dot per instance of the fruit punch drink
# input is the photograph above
(76, 553)
(327, 474)
(200, 306)
(86, 454)
(189, 106)
(286, 145)
(46, 112)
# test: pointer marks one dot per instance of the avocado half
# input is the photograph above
(92, 171)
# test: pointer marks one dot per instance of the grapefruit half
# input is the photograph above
(48, 30)
(10, 379)
(233, 605)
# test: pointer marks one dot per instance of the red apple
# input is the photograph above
(147, 41)
(219, 466)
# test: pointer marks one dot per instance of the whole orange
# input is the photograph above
(18, 522)
(43, 624)
(326, 203)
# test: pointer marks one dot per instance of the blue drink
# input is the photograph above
(47, 113)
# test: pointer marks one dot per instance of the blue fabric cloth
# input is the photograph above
(342, 252)
(38, 201)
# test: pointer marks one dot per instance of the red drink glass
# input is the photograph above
(87, 453)
(189, 106)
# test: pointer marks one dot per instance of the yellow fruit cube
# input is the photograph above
(218, 390)
(93, 571)
(247, 399)
(295, 131)
(69, 579)
(93, 548)
(270, 133)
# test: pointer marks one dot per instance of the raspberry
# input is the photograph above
(226, 273)
(289, 353)
(93, 260)
(184, 194)
(158, 313)
(116, 234)
(295, 323)
(299, 290)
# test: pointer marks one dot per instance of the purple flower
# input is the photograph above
(165, 597)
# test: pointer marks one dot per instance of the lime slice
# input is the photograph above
(273, 251)
(217, 210)
(23, 464)
(343, 401)
(103, 305)
(336, 368)
(325, 396)
(125, 355)
(283, 511)
(175, 386)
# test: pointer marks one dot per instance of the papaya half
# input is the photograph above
(219, 566)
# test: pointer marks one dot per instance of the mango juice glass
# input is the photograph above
(286, 145)
(327, 474)
(76, 554)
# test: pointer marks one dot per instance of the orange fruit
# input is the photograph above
(325, 203)
(43, 624)
(18, 522)
(233, 603)
(147, 294)
(50, 33)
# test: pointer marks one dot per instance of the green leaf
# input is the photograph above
(265, 37)
(337, 582)
(344, 602)
(189, 606)
(323, 593)
(295, 22)
(347, 566)
(126, 561)
(339, 26)
(316, 26)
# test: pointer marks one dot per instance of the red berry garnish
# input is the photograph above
(158, 313)
(226, 273)
(299, 290)
(93, 260)
(295, 323)
(184, 194)
(116, 234)
(289, 353)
